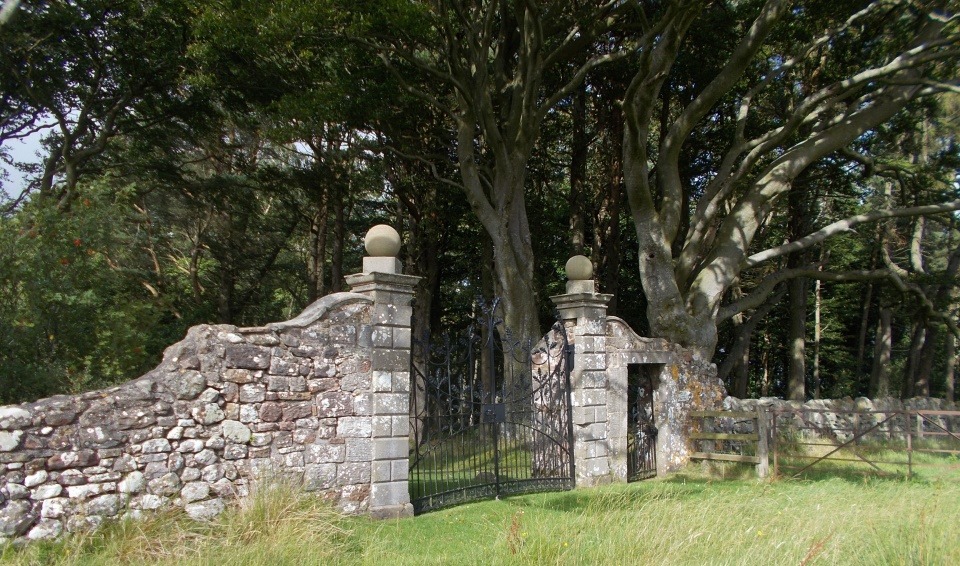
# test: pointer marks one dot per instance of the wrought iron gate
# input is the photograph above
(641, 431)
(491, 415)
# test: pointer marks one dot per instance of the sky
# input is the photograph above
(19, 150)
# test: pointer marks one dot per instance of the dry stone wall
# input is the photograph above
(227, 406)
(838, 418)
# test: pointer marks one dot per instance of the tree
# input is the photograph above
(785, 120)
(485, 65)
(83, 72)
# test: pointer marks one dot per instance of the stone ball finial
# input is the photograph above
(382, 241)
(579, 268)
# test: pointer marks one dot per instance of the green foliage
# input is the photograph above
(76, 311)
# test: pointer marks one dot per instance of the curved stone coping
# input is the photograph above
(618, 327)
(316, 310)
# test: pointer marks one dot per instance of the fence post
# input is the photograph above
(763, 466)
(773, 438)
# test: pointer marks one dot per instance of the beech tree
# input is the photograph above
(805, 81)
(486, 65)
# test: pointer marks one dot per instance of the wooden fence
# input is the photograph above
(731, 436)
(803, 441)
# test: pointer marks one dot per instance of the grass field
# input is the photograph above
(692, 518)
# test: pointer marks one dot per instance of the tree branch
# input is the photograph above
(846, 225)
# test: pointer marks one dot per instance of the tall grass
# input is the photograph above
(277, 524)
(691, 518)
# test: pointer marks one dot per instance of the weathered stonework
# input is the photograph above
(838, 417)
(310, 398)
(604, 347)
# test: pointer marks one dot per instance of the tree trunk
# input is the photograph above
(816, 338)
(796, 339)
(950, 383)
(921, 383)
(318, 253)
(339, 237)
(882, 348)
(917, 336)
(578, 173)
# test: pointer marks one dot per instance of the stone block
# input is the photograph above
(206, 457)
(356, 381)
(390, 360)
(156, 445)
(390, 448)
(359, 450)
(402, 338)
(238, 376)
(391, 404)
(190, 446)
(236, 432)
(343, 334)
(382, 381)
(334, 404)
(248, 414)
(382, 337)
(167, 484)
(271, 411)
(400, 470)
(16, 518)
(134, 482)
(389, 494)
(279, 366)
(353, 473)
(208, 414)
(246, 356)
(205, 510)
(293, 460)
(380, 471)
(401, 426)
(382, 427)
(401, 382)
(48, 491)
(326, 453)
(234, 451)
(14, 418)
(252, 393)
(319, 476)
(294, 411)
(103, 506)
(77, 459)
(36, 478)
(195, 491)
(363, 404)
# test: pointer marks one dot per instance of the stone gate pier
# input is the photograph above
(605, 349)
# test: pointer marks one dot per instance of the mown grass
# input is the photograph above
(692, 518)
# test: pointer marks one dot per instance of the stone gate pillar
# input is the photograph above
(392, 295)
(599, 400)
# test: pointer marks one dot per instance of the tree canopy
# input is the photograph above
(771, 183)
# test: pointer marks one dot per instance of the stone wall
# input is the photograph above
(226, 407)
(838, 418)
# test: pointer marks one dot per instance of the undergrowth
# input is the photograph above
(692, 518)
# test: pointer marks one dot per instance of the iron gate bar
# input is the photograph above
(512, 434)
